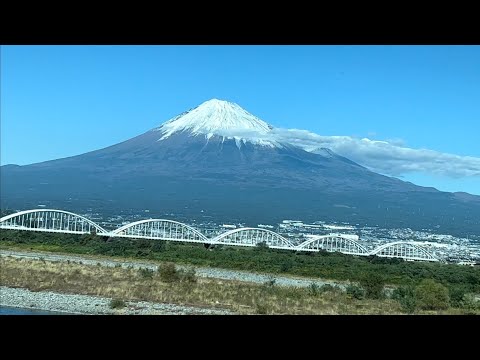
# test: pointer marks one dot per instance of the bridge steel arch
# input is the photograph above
(253, 237)
(50, 220)
(332, 243)
(161, 229)
(404, 249)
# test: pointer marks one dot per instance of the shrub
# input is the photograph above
(328, 288)
(188, 275)
(457, 294)
(469, 303)
(313, 289)
(260, 309)
(117, 304)
(285, 266)
(431, 295)
(373, 284)
(145, 273)
(406, 297)
(269, 285)
(356, 292)
(168, 272)
(270, 282)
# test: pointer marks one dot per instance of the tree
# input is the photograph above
(431, 295)
(373, 284)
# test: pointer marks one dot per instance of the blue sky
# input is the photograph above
(58, 101)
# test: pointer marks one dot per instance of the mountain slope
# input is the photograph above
(217, 160)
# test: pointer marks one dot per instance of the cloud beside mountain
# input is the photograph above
(383, 156)
(386, 157)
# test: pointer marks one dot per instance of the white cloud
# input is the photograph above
(387, 157)
(390, 157)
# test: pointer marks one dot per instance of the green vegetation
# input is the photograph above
(314, 289)
(356, 292)
(168, 273)
(373, 285)
(188, 275)
(117, 304)
(430, 295)
(146, 273)
(129, 285)
(406, 297)
(454, 285)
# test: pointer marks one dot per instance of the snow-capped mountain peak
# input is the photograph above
(221, 118)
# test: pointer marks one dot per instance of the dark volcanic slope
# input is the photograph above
(190, 176)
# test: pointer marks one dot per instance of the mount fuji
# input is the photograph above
(217, 160)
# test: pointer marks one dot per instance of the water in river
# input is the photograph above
(21, 311)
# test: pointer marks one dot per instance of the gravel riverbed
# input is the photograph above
(94, 305)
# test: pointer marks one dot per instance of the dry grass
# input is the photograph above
(129, 284)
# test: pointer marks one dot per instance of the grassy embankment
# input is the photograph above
(141, 285)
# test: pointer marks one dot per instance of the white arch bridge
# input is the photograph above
(59, 221)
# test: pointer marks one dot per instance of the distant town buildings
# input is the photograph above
(464, 251)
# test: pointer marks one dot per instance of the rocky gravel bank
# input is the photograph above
(85, 304)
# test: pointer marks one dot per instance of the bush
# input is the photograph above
(328, 288)
(430, 295)
(260, 309)
(269, 285)
(406, 297)
(188, 275)
(285, 266)
(117, 304)
(145, 273)
(373, 284)
(168, 272)
(270, 282)
(313, 289)
(469, 303)
(356, 292)
(457, 294)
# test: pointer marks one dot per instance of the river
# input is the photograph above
(4, 310)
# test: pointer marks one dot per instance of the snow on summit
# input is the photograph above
(221, 118)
